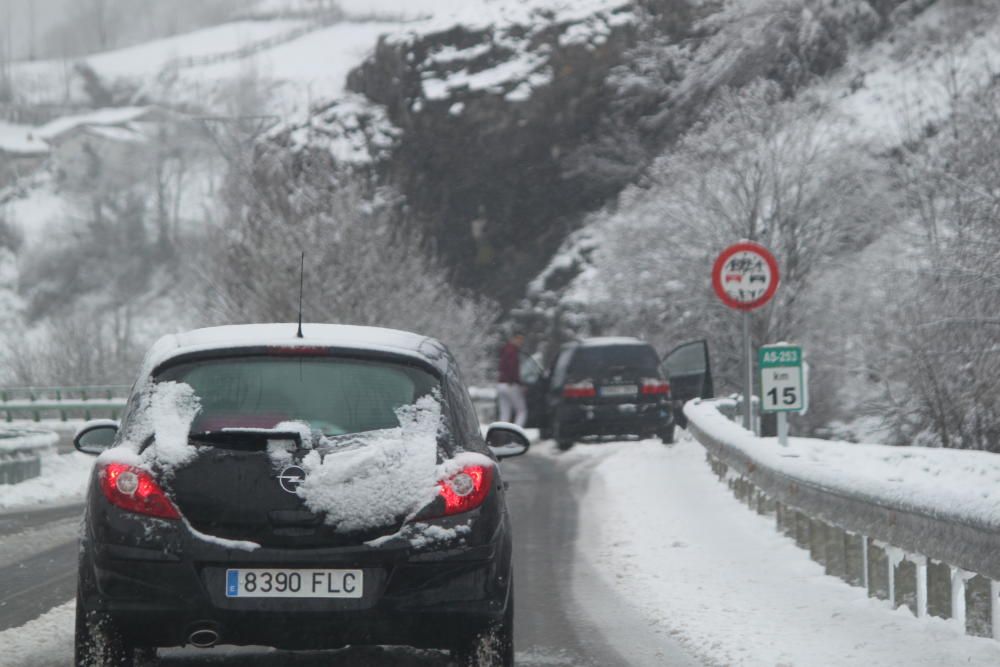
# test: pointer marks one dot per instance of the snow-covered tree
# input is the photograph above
(362, 265)
(758, 167)
(943, 366)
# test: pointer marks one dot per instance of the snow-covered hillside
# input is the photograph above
(290, 62)
(124, 153)
(854, 147)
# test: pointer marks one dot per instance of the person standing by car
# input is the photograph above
(510, 392)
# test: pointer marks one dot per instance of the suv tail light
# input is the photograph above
(655, 388)
(466, 490)
(583, 389)
(135, 490)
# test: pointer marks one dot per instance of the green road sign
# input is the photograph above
(782, 388)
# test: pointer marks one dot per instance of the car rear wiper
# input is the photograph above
(245, 438)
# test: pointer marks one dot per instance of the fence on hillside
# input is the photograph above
(933, 560)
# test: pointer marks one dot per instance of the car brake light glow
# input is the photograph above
(466, 490)
(655, 388)
(583, 389)
(135, 490)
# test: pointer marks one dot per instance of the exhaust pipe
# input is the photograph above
(203, 638)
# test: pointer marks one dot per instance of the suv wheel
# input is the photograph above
(666, 435)
(562, 442)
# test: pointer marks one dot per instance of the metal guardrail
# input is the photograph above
(21, 453)
(937, 563)
(62, 403)
(485, 400)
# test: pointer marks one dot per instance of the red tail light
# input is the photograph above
(466, 490)
(583, 389)
(655, 388)
(135, 490)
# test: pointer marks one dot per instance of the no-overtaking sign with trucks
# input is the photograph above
(781, 385)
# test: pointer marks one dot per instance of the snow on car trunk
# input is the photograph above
(371, 479)
(163, 419)
(358, 482)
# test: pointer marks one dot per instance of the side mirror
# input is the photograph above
(506, 440)
(95, 436)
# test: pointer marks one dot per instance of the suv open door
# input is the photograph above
(689, 370)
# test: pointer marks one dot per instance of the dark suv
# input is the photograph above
(617, 387)
(301, 493)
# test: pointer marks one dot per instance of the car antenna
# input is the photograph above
(302, 270)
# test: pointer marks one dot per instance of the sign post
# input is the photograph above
(782, 383)
(745, 277)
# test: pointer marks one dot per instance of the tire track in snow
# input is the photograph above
(34, 585)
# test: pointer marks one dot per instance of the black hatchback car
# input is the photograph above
(617, 387)
(301, 493)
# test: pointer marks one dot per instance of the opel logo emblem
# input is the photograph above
(291, 477)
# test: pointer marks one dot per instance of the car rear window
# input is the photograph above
(588, 361)
(334, 396)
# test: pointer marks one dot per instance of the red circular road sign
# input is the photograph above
(745, 276)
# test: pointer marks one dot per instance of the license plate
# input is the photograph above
(276, 583)
(620, 390)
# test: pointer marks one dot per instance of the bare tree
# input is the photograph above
(363, 264)
(758, 167)
(945, 368)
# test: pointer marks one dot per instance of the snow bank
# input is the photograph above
(25, 439)
(46, 641)
(63, 482)
(699, 567)
(953, 485)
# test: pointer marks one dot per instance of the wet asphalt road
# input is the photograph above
(565, 615)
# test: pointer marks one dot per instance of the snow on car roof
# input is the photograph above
(611, 340)
(343, 336)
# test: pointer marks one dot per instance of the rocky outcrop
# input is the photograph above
(503, 131)
(512, 129)
(487, 114)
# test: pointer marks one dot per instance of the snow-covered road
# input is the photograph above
(566, 614)
(700, 567)
(626, 553)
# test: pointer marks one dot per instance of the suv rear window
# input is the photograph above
(588, 361)
(334, 396)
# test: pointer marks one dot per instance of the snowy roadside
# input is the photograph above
(26, 439)
(659, 528)
(63, 482)
(46, 641)
(956, 484)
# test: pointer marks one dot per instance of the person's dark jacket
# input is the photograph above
(510, 364)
